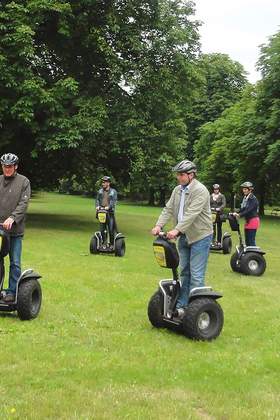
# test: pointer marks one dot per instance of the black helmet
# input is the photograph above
(9, 159)
(247, 184)
(185, 166)
(106, 179)
(216, 187)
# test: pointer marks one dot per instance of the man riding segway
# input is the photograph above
(108, 239)
(107, 198)
(14, 196)
(24, 292)
(193, 305)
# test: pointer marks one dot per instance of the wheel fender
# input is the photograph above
(226, 235)
(28, 275)
(210, 294)
(119, 236)
(256, 250)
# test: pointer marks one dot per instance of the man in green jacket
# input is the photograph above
(189, 207)
(14, 196)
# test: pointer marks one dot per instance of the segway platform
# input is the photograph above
(247, 260)
(28, 297)
(98, 245)
(202, 319)
(226, 244)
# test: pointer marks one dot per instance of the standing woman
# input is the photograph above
(249, 210)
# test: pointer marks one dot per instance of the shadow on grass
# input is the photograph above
(5, 314)
(61, 222)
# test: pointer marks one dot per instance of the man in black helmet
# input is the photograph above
(107, 198)
(14, 196)
(189, 206)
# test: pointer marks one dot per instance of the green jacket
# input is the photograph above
(197, 220)
(14, 196)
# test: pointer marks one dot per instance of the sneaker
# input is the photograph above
(9, 298)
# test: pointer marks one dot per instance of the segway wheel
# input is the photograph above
(235, 262)
(227, 245)
(29, 299)
(93, 245)
(203, 319)
(155, 310)
(252, 264)
(119, 247)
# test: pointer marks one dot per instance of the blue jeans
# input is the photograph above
(250, 237)
(193, 262)
(15, 263)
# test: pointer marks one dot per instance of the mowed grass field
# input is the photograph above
(92, 353)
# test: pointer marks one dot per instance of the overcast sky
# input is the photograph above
(237, 28)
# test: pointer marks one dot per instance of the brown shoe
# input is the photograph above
(9, 298)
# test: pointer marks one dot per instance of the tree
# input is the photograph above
(222, 82)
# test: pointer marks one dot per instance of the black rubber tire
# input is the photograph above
(93, 245)
(29, 299)
(233, 262)
(194, 312)
(227, 245)
(120, 247)
(246, 261)
(155, 310)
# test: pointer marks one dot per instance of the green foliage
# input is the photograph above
(221, 83)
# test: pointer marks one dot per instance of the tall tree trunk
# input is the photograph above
(151, 196)
(162, 197)
(261, 203)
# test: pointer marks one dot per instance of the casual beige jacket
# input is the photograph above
(197, 220)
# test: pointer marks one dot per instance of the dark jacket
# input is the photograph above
(249, 207)
(220, 203)
(112, 198)
(14, 196)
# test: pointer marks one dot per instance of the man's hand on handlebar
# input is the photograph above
(236, 214)
(155, 231)
(173, 234)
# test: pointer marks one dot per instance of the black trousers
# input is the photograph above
(217, 228)
(109, 226)
(250, 237)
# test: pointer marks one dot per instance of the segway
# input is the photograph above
(202, 319)
(28, 296)
(226, 244)
(246, 259)
(100, 241)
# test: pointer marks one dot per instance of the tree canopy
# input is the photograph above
(121, 87)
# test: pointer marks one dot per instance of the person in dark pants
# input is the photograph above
(249, 210)
(107, 198)
(217, 204)
(14, 197)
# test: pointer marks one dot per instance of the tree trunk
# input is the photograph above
(162, 197)
(261, 203)
(151, 197)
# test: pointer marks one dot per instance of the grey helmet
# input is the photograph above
(106, 179)
(9, 159)
(216, 187)
(185, 166)
(247, 184)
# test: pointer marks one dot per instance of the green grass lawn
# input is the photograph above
(92, 353)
